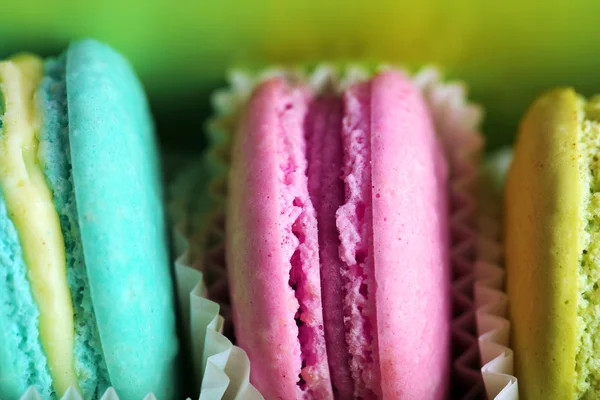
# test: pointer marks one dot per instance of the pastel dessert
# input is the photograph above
(337, 240)
(552, 237)
(86, 295)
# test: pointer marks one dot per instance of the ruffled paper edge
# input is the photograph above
(491, 301)
(457, 125)
(221, 369)
(72, 394)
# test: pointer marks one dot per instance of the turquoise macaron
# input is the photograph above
(86, 292)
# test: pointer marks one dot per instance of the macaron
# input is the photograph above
(552, 236)
(86, 295)
(337, 240)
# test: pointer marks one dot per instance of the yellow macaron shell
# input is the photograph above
(29, 203)
(543, 225)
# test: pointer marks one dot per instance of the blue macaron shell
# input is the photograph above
(116, 178)
(54, 158)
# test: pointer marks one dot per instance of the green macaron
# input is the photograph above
(86, 295)
(552, 235)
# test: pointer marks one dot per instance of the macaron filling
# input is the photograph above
(29, 203)
(338, 141)
(325, 160)
(587, 370)
(22, 359)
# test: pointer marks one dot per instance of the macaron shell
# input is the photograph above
(253, 293)
(542, 234)
(410, 242)
(264, 304)
(119, 200)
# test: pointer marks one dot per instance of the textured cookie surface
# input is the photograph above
(543, 226)
(410, 243)
(117, 189)
(273, 248)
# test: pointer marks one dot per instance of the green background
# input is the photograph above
(506, 51)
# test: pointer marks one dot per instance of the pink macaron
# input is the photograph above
(337, 241)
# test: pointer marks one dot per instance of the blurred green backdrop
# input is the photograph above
(507, 51)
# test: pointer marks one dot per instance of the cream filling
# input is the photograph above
(29, 203)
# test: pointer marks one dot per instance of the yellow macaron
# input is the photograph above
(552, 236)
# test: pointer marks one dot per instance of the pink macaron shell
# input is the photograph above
(272, 246)
(411, 243)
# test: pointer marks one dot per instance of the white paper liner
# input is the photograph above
(222, 369)
(457, 125)
(491, 301)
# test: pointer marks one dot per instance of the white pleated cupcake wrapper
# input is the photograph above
(492, 303)
(456, 123)
(475, 226)
(221, 369)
